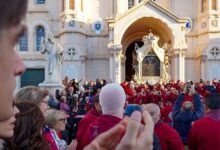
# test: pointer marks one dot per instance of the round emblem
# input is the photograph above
(98, 27)
(188, 25)
(72, 23)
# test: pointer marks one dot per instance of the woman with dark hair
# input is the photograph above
(28, 127)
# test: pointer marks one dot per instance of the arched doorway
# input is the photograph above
(133, 25)
(134, 34)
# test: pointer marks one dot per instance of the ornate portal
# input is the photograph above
(152, 61)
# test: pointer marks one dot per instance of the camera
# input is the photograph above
(188, 87)
(131, 108)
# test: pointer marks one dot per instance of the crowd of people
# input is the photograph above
(177, 105)
(97, 115)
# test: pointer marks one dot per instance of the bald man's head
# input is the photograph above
(153, 110)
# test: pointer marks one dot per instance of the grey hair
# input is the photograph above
(153, 108)
(52, 116)
(32, 94)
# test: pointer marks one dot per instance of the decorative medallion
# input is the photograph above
(71, 52)
(214, 52)
(214, 23)
(203, 24)
(98, 27)
(81, 25)
(72, 23)
(188, 25)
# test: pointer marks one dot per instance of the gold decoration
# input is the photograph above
(214, 23)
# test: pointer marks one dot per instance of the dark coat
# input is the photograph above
(182, 120)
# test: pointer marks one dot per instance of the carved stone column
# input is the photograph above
(123, 60)
(203, 60)
(121, 6)
(83, 70)
(77, 5)
(182, 65)
(111, 34)
(67, 5)
(115, 64)
(111, 57)
(175, 65)
(179, 65)
(136, 2)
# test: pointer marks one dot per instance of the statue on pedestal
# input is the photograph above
(54, 57)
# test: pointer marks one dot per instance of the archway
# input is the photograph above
(135, 33)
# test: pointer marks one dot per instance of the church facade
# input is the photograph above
(99, 37)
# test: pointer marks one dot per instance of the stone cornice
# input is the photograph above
(78, 32)
(202, 33)
(98, 58)
(151, 3)
(32, 56)
(166, 12)
(213, 59)
(38, 10)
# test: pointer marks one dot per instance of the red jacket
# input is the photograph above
(100, 125)
(168, 137)
(165, 113)
(205, 133)
(84, 124)
(140, 99)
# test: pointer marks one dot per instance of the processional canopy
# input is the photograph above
(150, 58)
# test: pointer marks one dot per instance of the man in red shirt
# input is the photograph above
(168, 137)
(166, 111)
(205, 133)
(112, 100)
(85, 122)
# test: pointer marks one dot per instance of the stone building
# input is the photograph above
(99, 36)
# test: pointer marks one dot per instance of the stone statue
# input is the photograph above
(135, 60)
(54, 56)
(136, 46)
(166, 74)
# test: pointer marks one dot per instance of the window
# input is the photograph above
(71, 52)
(204, 5)
(40, 33)
(23, 42)
(130, 3)
(40, 1)
(71, 4)
(214, 4)
(214, 52)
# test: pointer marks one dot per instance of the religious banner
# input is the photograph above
(151, 66)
